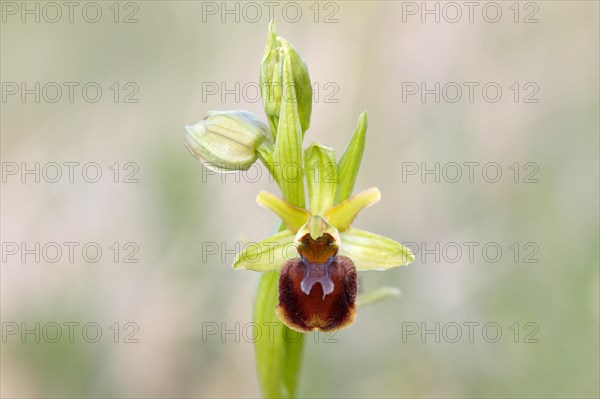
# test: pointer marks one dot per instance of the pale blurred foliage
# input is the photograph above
(171, 212)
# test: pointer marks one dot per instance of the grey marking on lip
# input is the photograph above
(317, 273)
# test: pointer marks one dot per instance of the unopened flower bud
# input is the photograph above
(227, 141)
(276, 87)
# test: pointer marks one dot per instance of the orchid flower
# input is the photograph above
(318, 256)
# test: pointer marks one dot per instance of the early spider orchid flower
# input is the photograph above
(318, 256)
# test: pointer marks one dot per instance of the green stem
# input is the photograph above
(278, 349)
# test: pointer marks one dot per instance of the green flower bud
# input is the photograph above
(228, 141)
(275, 87)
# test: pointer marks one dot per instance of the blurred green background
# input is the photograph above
(359, 61)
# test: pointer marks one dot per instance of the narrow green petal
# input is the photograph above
(350, 161)
(321, 177)
(288, 145)
(371, 251)
(342, 215)
(292, 216)
(378, 295)
(268, 255)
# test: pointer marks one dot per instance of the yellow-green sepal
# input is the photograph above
(267, 255)
(371, 251)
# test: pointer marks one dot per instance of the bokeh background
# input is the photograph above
(358, 61)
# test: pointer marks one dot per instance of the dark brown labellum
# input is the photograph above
(317, 291)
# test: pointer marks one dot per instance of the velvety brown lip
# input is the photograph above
(316, 311)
